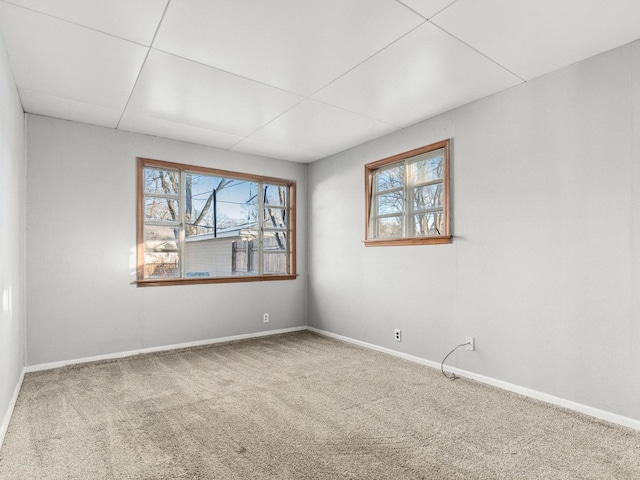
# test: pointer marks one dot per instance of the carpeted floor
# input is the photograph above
(297, 406)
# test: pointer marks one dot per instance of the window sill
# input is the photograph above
(397, 242)
(195, 281)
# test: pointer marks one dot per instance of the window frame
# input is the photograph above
(185, 168)
(370, 170)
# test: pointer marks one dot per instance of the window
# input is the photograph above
(407, 198)
(200, 225)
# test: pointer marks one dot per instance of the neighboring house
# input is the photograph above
(231, 251)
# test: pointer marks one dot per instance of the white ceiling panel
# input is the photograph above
(427, 8)
(57, 58)
(322, 128)
(175, 89)
(532, 38)
(295, 45)
(176, 131)
(135, 20)
(274, 150)
(50, 106)
(423, 74)
(290, 79)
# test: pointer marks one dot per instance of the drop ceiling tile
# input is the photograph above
(133, 20)
(295, 45)
(427, 8)
(50, 106)
(274, 150)
(182, 91)
(423, 74)
(532, 38)
(56, 58)
(132, 122)
(322, 128)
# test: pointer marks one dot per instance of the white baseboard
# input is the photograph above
(4, 426)
(527, 392)
(131, 353)
(371, 346)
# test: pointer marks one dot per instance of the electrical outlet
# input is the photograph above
(265, 317)
(397, 335)
(471, 343)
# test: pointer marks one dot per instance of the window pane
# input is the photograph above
(428, 196)
(161, 265)
(274, 241)
(274, 195)
(275, 217)
(390, 227)
(428, 224)
(391, 203)
(274, 263)
(161, 209)
(222, 256)
(427, 169)
(199, 204)
(218, 206)
(389, 178)
(207, 256)
(161, 181)
(160, 239)
(238, 204)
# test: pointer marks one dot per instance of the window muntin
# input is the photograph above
(408, 198)
(200, 225)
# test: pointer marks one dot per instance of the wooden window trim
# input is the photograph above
(141, 282)
(370, 169)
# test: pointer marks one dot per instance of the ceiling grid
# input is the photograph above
(286, 79)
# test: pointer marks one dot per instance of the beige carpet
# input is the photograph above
(296, 406)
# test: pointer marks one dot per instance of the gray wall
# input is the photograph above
(544, 269)
(81, 223)
(12, 215)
